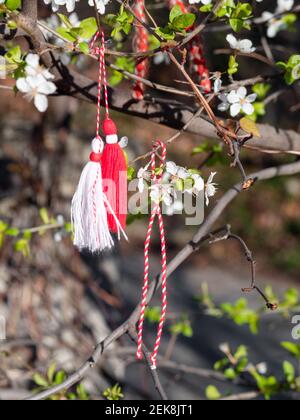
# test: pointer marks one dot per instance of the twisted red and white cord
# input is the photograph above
(197, 61)
(100, 53)
(140, 44)
(156, 212)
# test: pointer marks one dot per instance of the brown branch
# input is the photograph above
(201, 236)
(76, 85)
(153, 372)
(242, 397)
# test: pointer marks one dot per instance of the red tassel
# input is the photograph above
(114, 172)
(198, 65)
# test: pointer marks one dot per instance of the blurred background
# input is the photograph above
(58, 303)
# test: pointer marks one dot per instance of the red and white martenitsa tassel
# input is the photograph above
(114, 165)
(156, 178)
(114, 168)
(196, 57)
(89, 206)
(93, 213)
(140, 45)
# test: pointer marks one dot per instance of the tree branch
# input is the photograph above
(201, 236)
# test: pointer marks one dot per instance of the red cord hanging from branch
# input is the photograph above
(99, 205)
(196, 57)
(140, 44)
(114, 165)
(156, 178)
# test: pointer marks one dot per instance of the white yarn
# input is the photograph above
(88, 211)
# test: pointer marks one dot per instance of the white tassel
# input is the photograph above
(88, 212)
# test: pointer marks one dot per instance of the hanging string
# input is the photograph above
(156, 212)
(197, 61)
(140, 44)
(100, 53)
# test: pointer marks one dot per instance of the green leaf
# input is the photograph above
(292, 348)
(44, 216)
(183, 21)
(88, 28)
(51, 372)
(289, 371)
(40, 380)
(233, 65)
(3, 226)
(66, 34)
(81, 392)
(113, 394)
(261, 90)
(60, 377)
(230, 374)
(14, 232)
(14, 55)
(175, 12)
(166, 33)
(65, 20)
(84, 48)
(22, 245)
(153, 314)
(212, 393)
(13, 4)
(131, 173)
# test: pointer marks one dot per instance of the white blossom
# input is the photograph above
(100, 4)
(176, 171)
(36, 85)
(71, 4)
(274, 22)
(284, 6)
(36, 89)
(217, 78)
(210, 188)
(198, 185)
(243, 45)
(205, 2)
(162, 193)
(34, 69)
(176, 208)
(142, 176)
(237, 101)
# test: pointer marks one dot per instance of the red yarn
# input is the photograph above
(114, 165)
(140, 44)
(198, 65)
(114, 173)
(109, 127)
(95, 157)
(156, 212)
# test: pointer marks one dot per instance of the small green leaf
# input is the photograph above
(289, 371)
(84, 48)
(40, 380)
(184, 21)
(88, 28)
(44, 216)
(292, 348)
(14, 232)
(175, 12)
(51, 372)
(212, 393)
(13, 4)
(65, 20)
